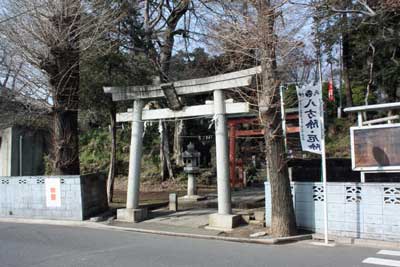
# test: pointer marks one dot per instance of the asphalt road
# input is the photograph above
(42, 245)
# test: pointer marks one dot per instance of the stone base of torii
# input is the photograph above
(224, 219)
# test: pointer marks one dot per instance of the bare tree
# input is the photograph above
(161, 22)
(283, 221)
(257, 31)
(22, 97)
(50, 35)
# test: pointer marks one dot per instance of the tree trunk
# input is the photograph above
(113, 154)
(165, 62)
(165, 159)
(65, 143)
(283, 221)
(166, 47)
(62, 68)
(165, 155)
(346, 52)
(179, 129)
(340, 79)
(64, 79)
(370, 60)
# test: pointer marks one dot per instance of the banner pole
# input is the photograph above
(323, 156)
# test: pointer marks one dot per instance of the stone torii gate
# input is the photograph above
(219, 108)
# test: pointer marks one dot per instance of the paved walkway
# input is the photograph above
(192, 222)
(193, 216)
(183, 222)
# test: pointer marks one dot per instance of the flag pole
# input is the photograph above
(323, 156)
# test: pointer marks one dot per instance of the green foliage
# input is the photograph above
(48, 166)
(377, 40)
(113, 69)
(151, 144)
(359, 95)
(291, 97)
(95, 151)
(338, 138)
(371, 39)
(121, 65)
(195, 64)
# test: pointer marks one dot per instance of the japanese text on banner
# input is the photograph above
(310, 112)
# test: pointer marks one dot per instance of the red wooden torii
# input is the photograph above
(236, 178)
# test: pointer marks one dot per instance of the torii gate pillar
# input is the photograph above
(133, 213)
(224, 218)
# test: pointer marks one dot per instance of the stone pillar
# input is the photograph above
(135, 155)
(192, 189)
(223, 220)
(132, 213)
(222, 156)
(173, 202)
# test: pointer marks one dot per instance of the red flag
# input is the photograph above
(331, 96)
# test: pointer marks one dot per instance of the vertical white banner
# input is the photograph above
(311, 120)
(53, 192)
(310, 112)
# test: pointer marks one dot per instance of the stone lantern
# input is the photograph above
(191, 158)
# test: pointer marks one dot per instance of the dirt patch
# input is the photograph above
(155, 193)
(121, 183)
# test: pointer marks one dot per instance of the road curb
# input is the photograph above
(100, 226)
(265, 241)
(360, 242)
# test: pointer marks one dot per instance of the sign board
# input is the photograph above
(53, 192)
(375, 148)
(310, 112)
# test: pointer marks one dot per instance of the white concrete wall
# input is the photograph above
(359, 210)
(25, 196)
(80, 196)
(5, 152)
